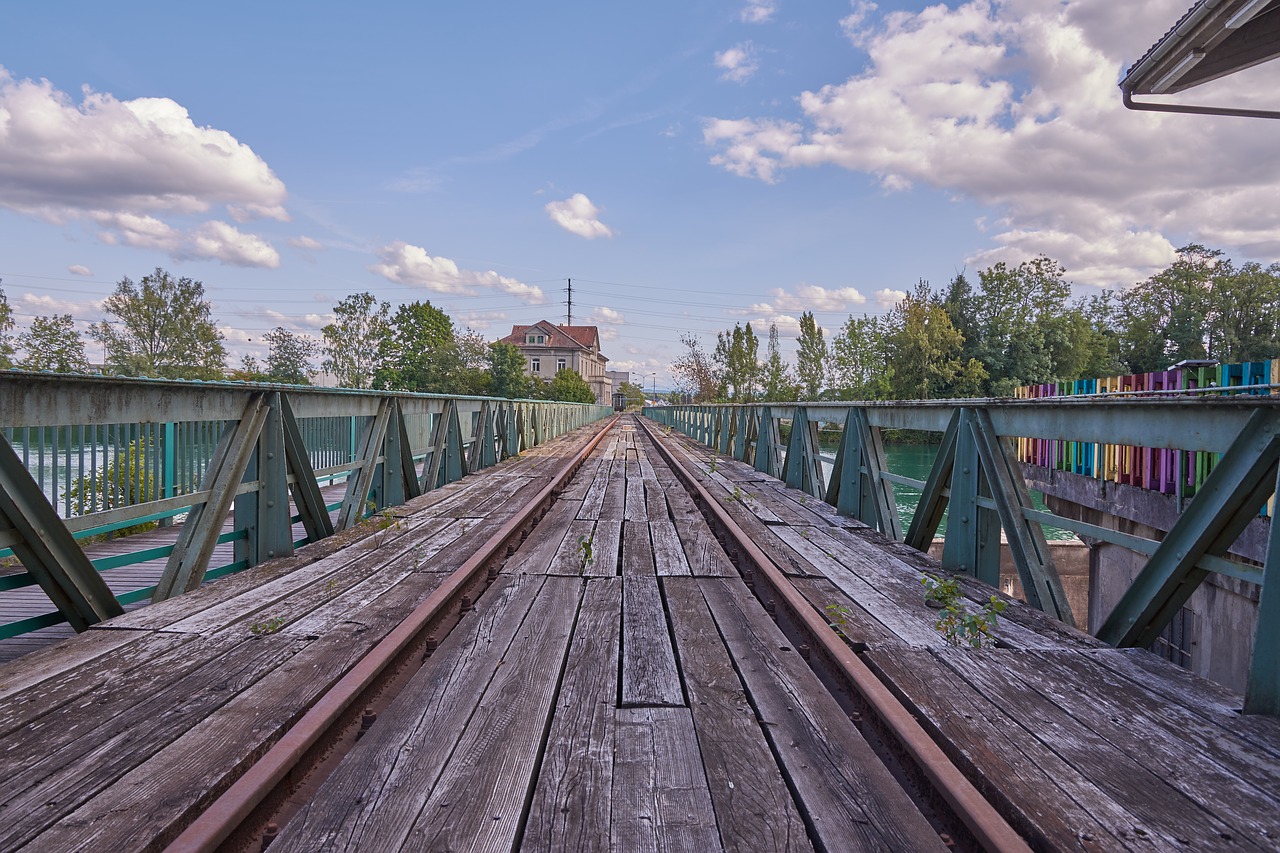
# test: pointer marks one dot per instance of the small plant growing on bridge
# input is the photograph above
(267, 626)
(737, 495)
(838, 618)
(585, 554)
(711, 469)
(955, 622)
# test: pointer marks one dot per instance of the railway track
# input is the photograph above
(279, 782)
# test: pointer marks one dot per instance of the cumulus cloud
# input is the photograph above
(79, 269)
(577, 215)
(888, 298)
(788, 325)
(225, 243)
(811, 297)
(758, 11)
(605, 316)
(482, 320)
(1014, 103)
(303, 242)
(124, 164)
(408, 264)
(738, 63)
(45, 305)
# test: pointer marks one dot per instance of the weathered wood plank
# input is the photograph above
(668, 554)
(374, 796)
(847, 796)
(636, 508)
(571, 559)
(655, 499)
(613, 503)
(649, 673)
(573, 795)
(637, 549)
(754, 809)
(848, 616)
(660, 795)
(535, 554)
(606, 549)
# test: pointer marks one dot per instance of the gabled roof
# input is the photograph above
(573, 337)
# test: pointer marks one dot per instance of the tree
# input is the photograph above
(419, 353)
(473, 357)
(1244, 314)
(811, 358)
(633, 394)
(860, 360)
(738, 355)
(52, 343)
(289, 357)
(163, 327)
(353, 342)
(569, 387)
(926, 350)
(694, 373)
(506, 368)
(1165, 319)
(779, 387)
(6, 331)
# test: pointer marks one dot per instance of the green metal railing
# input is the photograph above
(85, 456)
(976, 478)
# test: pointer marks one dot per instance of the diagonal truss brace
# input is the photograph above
(306, 491)
(48, 550)
(856, 487)
(803, 467)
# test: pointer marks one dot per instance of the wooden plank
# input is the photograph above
(706, 557)
(594, 497)
(637, 549)
(660, 795)
(655, 499)
(606, 549)
(636, 508)
(649, 673)
(668, 554)
(373, 797)
(1044, 798)
(573, 795)
(99, 751)
(46, 664)
(1161, 810)
(848, 798)
(535, 554)
(613, 504)
(754, 808)
(851, 619)
(571, 559)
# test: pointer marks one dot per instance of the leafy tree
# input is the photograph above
(633, 394)
(860, 361)
(1165, 319)
(419, 353)
(738, 355)
(52, 343)
(811, 358)
(250, 370)
(569, 387)
(473, 356)
(694, 372)
(1020, 323)
(163, 327)
(779, 387)
(354, 341)
(506, 367)
(1244, 314)
(926, 350)
(6, 331)
(289, 357)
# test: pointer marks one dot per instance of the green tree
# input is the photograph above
(633, 394)
(6, 331)
(289, 357)
(860, 360)
(811, 358)
(694, 372)
(473, 357)
(353, 342)
(738, 355)
(1020, 324)
(779, 386)
(419, 353)
(1165, 319)
(163, 327)
(926, 350)
(52, 343)
(1244, 314)
(569, 387)
(506, 368)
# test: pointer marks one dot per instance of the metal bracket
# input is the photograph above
(802, 465)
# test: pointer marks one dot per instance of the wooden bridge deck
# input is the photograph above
(617, 686)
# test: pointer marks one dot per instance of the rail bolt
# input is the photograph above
(269, 834)
(367, 719)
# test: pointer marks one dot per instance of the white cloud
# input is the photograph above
(577, 215)
(123, 164)
(788, 325)
(45, 305)
(888, 298)
(811, 297)
(738, 63)
(1014, 103)
(304, 242)
(482, 321)
(605, 316)
(758, 11)
(79, 269)
(408, 264)
(225, 243)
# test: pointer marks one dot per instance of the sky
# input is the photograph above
(688, 164)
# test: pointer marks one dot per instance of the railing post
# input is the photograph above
(1262, 695)
(264, 513)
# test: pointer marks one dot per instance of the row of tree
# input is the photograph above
(163, 326)
(1017, 326)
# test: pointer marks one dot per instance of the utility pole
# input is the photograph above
(569, 320)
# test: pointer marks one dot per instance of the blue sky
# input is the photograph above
(688, 164)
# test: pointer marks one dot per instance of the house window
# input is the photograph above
(535, 364)
(535, 339)
(559, 364)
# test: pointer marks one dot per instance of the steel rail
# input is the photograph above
(235, 806)
(988, 827)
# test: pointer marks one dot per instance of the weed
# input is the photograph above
(803, 500)
(955, 622)
(738, 495)
(585, 554)
(711, 469)
(331, 587)
(267, 626)
(838, 618)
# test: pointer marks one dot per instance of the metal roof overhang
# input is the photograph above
(1215, 38)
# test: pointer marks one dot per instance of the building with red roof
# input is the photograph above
(548, 347)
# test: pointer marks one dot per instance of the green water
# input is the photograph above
(915, 461)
